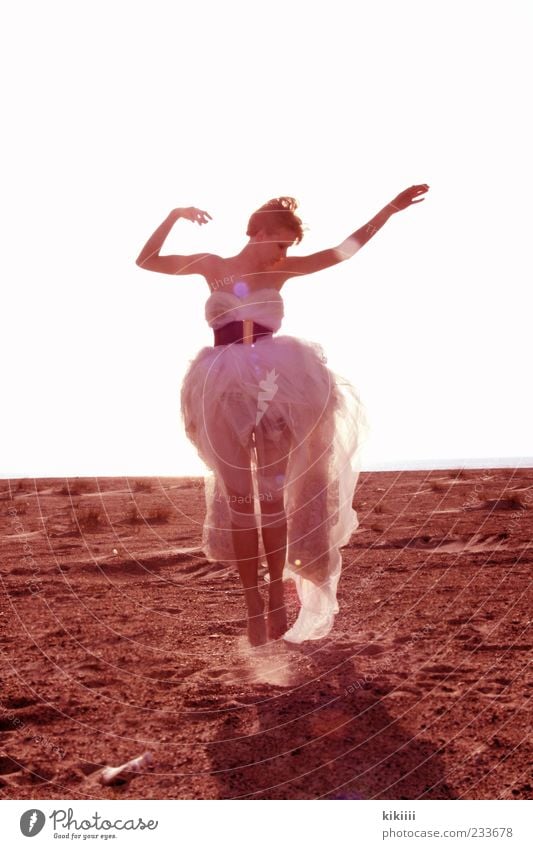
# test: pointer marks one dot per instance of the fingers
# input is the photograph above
(201, 216)
(418, 190)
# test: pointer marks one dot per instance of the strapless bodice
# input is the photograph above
(265, 306)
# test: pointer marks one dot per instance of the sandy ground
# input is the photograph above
(422, 690)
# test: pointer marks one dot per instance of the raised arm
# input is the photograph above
(150, 259)
(299, 265)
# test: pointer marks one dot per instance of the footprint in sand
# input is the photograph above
(472, 543)
(91, 666)
(199, 568)
(9, 770)
(14, 774)
(36, 713)
(205, 707)
(439, 670)
(216, 673)
(15, 702)
(96, 683)
(496, 688)
(161, 675)
(178, 674)
(498, 504)
(441, 676)
(40, 774)
(370, 649)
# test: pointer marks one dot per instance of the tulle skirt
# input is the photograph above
(271, 420)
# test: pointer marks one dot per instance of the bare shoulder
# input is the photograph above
(299, 266)
(218, 272)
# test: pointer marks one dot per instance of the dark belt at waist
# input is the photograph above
(235, 331)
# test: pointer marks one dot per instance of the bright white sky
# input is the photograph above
(116, 113)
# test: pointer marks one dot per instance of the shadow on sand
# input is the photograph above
(316, 735)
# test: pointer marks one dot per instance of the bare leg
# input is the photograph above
(272, 460)
(234, 468)
(245, 543)
(275, 544)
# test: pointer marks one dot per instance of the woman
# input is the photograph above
(279, 431)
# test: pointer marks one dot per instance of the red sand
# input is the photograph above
(421, 691)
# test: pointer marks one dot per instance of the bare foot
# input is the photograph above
(257, 635)
(277, 617)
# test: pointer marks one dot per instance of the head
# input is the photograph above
(274, 227)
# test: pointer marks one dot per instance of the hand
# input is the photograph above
(406, 198)
(193, 214)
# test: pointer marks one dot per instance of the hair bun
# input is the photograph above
(276, 213)
(286, 203)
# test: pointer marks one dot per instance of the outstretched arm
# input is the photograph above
(150, 259)
(360, 237)
(356, 240)
(331, 256)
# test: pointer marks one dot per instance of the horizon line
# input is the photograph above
(385, 466)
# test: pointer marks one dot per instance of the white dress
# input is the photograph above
(280, 384)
